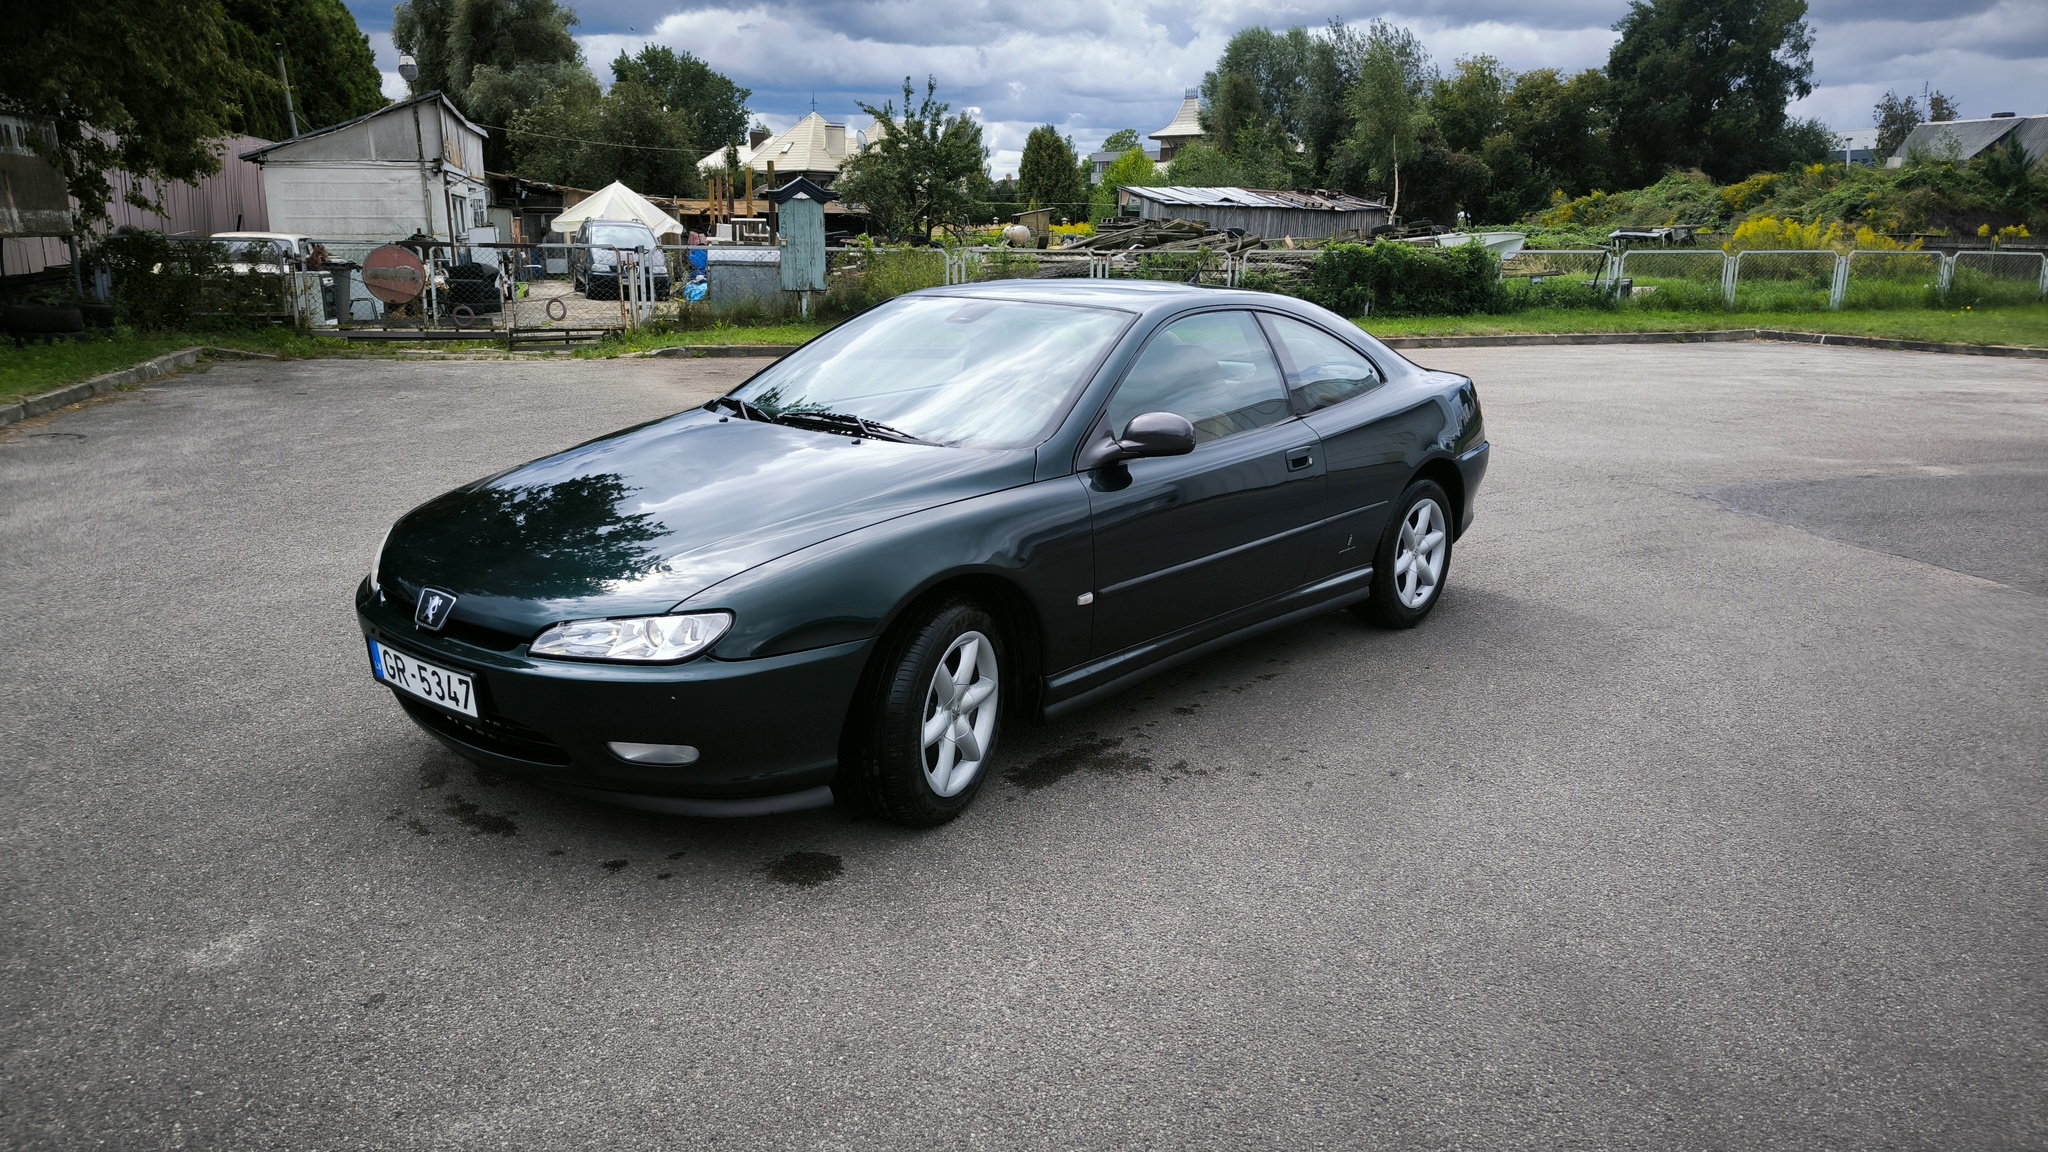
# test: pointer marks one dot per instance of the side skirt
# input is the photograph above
(1078, 687)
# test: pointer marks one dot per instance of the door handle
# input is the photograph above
(1302, 457)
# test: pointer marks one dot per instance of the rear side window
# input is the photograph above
(1321, 369)
(1216, 369)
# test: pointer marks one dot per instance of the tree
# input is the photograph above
(334, 73)
(712, 108)
(1471, 104)
(1895, 116)
(1288, 90)
(1133, 169)
(136, 85)
(1565, 126)
(925, 169)
(1203, 165)
(493, 58)
(1049, 175)
(634, 133)
(1121, 140)
(1390, 118)
(1940, 108)
(1235, 109)
(1705, 83)
(2009, 169)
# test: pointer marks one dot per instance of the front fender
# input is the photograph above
(1035, 537)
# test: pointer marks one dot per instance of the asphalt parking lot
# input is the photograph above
(1706, 812)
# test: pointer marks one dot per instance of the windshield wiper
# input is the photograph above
(746, 411)
(838, 421)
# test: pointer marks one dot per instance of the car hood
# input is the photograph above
(636, 522)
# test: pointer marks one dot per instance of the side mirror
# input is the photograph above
(1149, 434)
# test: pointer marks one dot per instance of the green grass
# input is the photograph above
(787, 335)
(40, 368)
(2025, 326)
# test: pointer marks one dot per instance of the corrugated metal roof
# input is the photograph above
(1970, 137)
(1254, 198)
(258, 154)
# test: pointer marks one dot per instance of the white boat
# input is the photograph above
(1501, 244)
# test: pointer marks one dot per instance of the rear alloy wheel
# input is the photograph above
(1413, 559)
(924, 750)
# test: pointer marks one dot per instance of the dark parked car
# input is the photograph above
(600, 245)
(969, 506)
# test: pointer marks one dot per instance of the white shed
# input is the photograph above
(416, 166)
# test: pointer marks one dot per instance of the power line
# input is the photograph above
(689, 150)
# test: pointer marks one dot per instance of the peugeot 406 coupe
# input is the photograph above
(967, 507)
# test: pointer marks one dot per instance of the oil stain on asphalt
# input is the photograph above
(1105, 755)
(806, 869)
(480, 821)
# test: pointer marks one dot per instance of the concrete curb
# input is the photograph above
(87, 389)
(1722, 336)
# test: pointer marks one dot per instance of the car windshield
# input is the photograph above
(951, 370)
(622, 236)
(253, 251)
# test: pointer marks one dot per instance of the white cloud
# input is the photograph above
(1089, 68)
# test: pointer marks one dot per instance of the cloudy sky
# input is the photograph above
(1094, 67)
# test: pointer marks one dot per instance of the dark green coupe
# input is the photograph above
(969, 506)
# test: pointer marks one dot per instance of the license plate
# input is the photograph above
(430, 682)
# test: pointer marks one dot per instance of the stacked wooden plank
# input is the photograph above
(1164, 236)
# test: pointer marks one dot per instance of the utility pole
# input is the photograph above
(286, 77)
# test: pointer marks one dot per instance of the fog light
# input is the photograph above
(654, 753)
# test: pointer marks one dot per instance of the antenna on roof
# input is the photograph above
(814, 100)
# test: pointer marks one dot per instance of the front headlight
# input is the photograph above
(377, 559)
(644, 639)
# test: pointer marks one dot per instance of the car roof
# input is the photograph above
(1133, 295)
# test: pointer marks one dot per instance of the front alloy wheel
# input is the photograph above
(960, 714)
(921, 738)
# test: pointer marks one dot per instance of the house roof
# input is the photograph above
(258, 154)
(1254, 198)
(1187, 122)
(812, 144)
(1972, 137)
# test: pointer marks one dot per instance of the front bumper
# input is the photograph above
(762, 727)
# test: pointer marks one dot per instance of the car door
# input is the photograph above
(1183, 539)
(1370, 435)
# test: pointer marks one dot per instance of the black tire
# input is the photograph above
(883, 769)
(1386, 607)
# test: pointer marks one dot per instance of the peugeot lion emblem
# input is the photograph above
(434, 608)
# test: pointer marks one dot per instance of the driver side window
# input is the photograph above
(1215, 369)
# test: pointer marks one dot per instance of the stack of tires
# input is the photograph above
(41, 323)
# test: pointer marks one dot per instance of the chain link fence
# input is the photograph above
(1993, 278)
(1784, 281)
(565, 292)
(1893, 279)
(1675, 278)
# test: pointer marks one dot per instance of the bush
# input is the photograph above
(1556, 292)
(161, 285)
(1393, 279)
